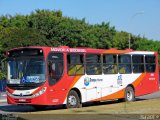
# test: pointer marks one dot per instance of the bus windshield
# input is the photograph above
(26, 70)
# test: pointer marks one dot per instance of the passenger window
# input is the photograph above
(150, 63)
(93, 64)
(138, 63)
(55, 67)
(110, 64)
(75, 63)
(124, 64)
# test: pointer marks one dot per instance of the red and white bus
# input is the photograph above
(72, 76)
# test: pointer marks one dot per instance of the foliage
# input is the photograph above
(2, 75)
(51, 28)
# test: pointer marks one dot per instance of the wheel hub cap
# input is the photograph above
(129, 95)
(72, 100)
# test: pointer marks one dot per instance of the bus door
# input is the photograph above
(55, 71)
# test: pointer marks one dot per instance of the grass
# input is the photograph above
(112, 111)
(137, 107)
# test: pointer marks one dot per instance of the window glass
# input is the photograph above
(109, 59)
(150, 59)
(124, 59)
(124, 68)
(137, 58)
(93, 69)
(138, 63)
(150, 63)
(75, 64)
(110, 69)
(93, 58)
(26, 70)
(150, 68)
(110, 64)
(74, 58)
(55, 67)
(124, 64)
(138, 68)
(93, 64)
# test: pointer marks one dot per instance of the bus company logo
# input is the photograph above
(86, 81)
(119, 80)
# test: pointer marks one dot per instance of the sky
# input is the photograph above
(139, 17)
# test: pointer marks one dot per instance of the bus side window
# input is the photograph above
(75, 63)
(124, 62)
(150, 63)
(93, 64)
(138, 63)
(110, 64)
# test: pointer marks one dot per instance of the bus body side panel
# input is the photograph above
(150, 82)
(148, 85)
(106, 87)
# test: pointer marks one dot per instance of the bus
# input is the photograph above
(44, 76)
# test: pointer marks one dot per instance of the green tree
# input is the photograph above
(22, 37)
(120, 40)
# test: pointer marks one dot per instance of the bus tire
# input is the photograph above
(129, 94)
(73, 100)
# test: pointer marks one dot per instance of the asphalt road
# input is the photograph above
(5, 108)
(150, 96)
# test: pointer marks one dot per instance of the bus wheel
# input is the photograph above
(73, 100)
(129, 94)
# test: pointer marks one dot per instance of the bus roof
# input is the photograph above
(85, 50)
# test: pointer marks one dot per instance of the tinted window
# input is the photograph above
(124, 59)
(138, 63)
(93, 64)
(150, 61)
(124, 64)
(110, 64)
(75, 64)
(93, 58)
(55, 67)
(137, 58)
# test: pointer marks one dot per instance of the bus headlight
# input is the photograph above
(40, 92)
(9, 94)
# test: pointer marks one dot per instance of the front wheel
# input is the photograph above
(129, 94)
(73, 100)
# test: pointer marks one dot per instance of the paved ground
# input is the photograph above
(150, 96)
